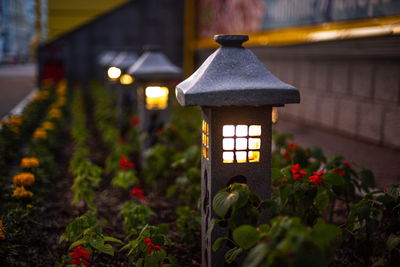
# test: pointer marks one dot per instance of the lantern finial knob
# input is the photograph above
(231, 40)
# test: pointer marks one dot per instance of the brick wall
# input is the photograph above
(351, 87)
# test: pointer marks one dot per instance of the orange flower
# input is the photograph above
(21, 192)
(40, 134)
(2, 235)
(47, 125)
(54, 113)
(24, 179)
(30, 163)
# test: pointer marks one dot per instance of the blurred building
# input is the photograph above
(17, 27)
(344, 57)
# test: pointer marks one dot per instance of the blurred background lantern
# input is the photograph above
(154, 73)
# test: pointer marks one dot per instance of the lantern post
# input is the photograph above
(154, 73)
(236, 93)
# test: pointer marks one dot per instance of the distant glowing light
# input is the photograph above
(274, 115)
(156, 97)
(113, 73)
(126, 79)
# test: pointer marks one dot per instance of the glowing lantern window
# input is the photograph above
(205, 139)
(126, 79)
(156, 97)
(241, 143)
(113, 73)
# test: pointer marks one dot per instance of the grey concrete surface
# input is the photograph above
(384, 162)
(16, 82)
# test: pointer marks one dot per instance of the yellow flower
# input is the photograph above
(40, 134)
(29, 206)
(62, 88)
(24, 179)
(30, 163)
(47, 125)
(2, 234)
(21, 192)
(41, 95)
(54, 113)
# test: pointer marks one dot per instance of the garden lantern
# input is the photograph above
(236, 93)
(126, 93)
(104, 61)
(154, 73)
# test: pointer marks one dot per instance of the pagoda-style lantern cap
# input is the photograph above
(124, 60)
(153, 64)
(234, 76)
(106, 58)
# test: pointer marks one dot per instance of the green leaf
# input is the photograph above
(77, 243)
(112, 239)
(317, 153)
(232, 254)
(276, 175)
(108, 249)
(218, 243)
(223, 201)
(367, 179)
(334, 179)
(246, 236)
(322, 200)
(256, 255)
(392, 242)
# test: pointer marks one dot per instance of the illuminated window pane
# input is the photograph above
(254, 143)
(228, 144)
(241, 143)
(227, 157)
(203, 139)
(207, 141)
(254, 156)
(203, 126)
(205, 152)
(241, 156)
(241, 130)
(206, 128)
(228, 130)
(255, 130)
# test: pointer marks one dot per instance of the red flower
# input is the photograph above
(134, 120)
(283, 181)
(346, 164)
(317, 178)
(293, 146)
(79, 256)
(160, 132)
(341, 173)
(138, 192)
(151, 246)
(121, 140)
(287, 155)
(297, 173)
(124, 163)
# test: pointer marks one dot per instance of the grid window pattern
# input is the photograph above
(205, 139)
(241, 143)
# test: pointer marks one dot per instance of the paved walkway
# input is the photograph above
(384, 162)
(16, 82)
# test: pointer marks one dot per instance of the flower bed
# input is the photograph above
(120, 205)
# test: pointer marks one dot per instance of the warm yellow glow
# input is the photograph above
(156, 97)
(254, 143)
(228, 143)
(255, 130)
(241, 130)
(205, 155)
(275, 116)
(254, 156)
(241, 143)
(207, 141)
(241, 156)
(113, 73)
(227, 157)
(204, 139)
(126, 79)
(228, 130)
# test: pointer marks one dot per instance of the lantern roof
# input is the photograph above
(124, 60)
(106, 58)
(234, 76)
(153, 64)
